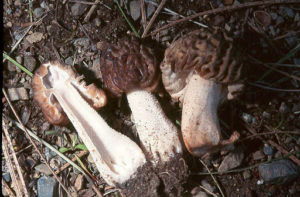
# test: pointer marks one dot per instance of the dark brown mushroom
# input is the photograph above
(197, 70)
(132, 68)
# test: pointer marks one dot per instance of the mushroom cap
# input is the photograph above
(42, 85)
(209, 55)
(128, 66)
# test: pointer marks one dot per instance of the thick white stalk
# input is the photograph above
(116, 156)
(158, 135)
(200, 124)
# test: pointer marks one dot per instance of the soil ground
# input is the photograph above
(275, 105)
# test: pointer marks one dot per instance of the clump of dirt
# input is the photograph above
(144, 183)
(173, 174)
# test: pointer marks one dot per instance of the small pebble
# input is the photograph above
(247, 118)
(9, 24)
(78, 9)
(49, 154)
(6, 177)
(79, 182)
(69, 60)
(232, 160)
(278, 172)
(30, 63)
(135, 8)
(246, 175)
(150, 9)
(258, 155)
(283, 108)
(35, 37)
(38, 12)
(208, 186)
(269, 150)
(16, 94)
(47, 187)
(266, 115)
(43, 169)
(85, 42)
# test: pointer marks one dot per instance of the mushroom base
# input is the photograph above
(200, 124)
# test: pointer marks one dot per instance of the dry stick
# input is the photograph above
(7, 188)
(169, 11)
(10, 167)
(144, 21)
(91, 11)
(10, 145)
(275, 69)
(274, 89)
(278, 147)
(154, 17)
(227, 8)
(212, 176)
(89, 3)
(57, 152)
(215, 195)
(27, 30)
(286, 35)
(269, 133)
(34, 144)
(81, 154)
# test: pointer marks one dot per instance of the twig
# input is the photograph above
(212, 176)
(129, 23)
(269, 133)
(274, 89)
(241, 169)
(81, 154)
(34, 144)
(284, 65)
(144, 20)
(91, 11)
(26, 31)
(278, 147)
(274, 69)
(227, 8)
(10, 167)
(286, 35)
(162, 3)
(215, 195)
(57, 152)
(7, 188)
(290, 54)
(10, 145)
(89, 3)
(85, 33)
(171, 12)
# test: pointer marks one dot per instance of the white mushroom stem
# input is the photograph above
(200, 124)
(116, 156)
(158, 135)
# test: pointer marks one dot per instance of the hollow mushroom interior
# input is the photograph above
(115, 155)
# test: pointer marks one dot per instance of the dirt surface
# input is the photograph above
(270, 101)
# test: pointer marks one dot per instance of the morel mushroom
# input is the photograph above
(198, 70)
(60, 93)
(132, 68)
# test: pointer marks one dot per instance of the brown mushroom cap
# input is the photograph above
(209, 55)
(41, 85)
(128, 66)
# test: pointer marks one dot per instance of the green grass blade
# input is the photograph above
(123, 14)
(17, 64)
